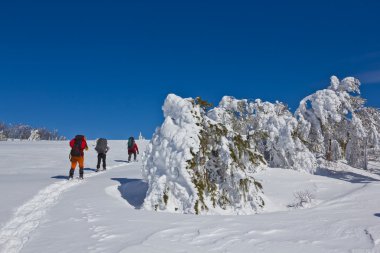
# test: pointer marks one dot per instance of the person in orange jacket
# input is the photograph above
(78, 144)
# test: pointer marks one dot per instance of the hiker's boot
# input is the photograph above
(71, 174)
(81, 173)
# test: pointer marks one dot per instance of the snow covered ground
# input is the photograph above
(41, 211)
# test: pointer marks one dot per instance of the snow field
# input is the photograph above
(103, 213)
(27, 217)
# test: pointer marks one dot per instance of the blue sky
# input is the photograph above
(104, 68)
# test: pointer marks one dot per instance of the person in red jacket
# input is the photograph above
(132, 148)
(78, 144)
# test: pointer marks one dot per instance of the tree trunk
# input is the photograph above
(329, 152)
(365, 155)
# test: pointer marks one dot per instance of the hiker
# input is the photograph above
(102, 149)
(132, 148)
(78, 144)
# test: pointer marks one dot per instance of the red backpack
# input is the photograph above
(76, 150)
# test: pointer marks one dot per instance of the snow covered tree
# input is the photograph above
(2, 136)
(335, 124)
(34, 136)
(46, 134)
(355, 150)
(368, 121)
(21, 131)
(270, 128)
(197, 165)
(324, 116)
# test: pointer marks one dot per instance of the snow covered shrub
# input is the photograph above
(197, 165)
(302, 199)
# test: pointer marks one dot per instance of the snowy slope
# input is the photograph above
(42, 212)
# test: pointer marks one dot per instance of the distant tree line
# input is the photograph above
(26, 132)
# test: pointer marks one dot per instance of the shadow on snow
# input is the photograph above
(345, 175)
(121, 161)
(132, 190)
(377, 215)
(375, 169)
(61, 177)
(89, 169)
(67, 176)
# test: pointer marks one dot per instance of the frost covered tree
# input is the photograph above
(324, 117)
(335, 124)
(365, 136)
(19, 131)
(355, 150)
(370, 118)
(194, 164)
(2, 136)
(22, 132)
(46, 134)
(270, 128)
(34, 135)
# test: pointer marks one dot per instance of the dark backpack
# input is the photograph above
(131, 141)
(76, 150)
(101, 145)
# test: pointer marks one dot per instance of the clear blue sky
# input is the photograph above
(104, 68)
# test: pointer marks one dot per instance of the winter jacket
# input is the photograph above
(133, 149)
(83, 146)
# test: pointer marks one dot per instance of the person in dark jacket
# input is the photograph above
(78, 144)
(132, 148)
(102, 149)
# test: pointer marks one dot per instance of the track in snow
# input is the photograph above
(17, 230)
